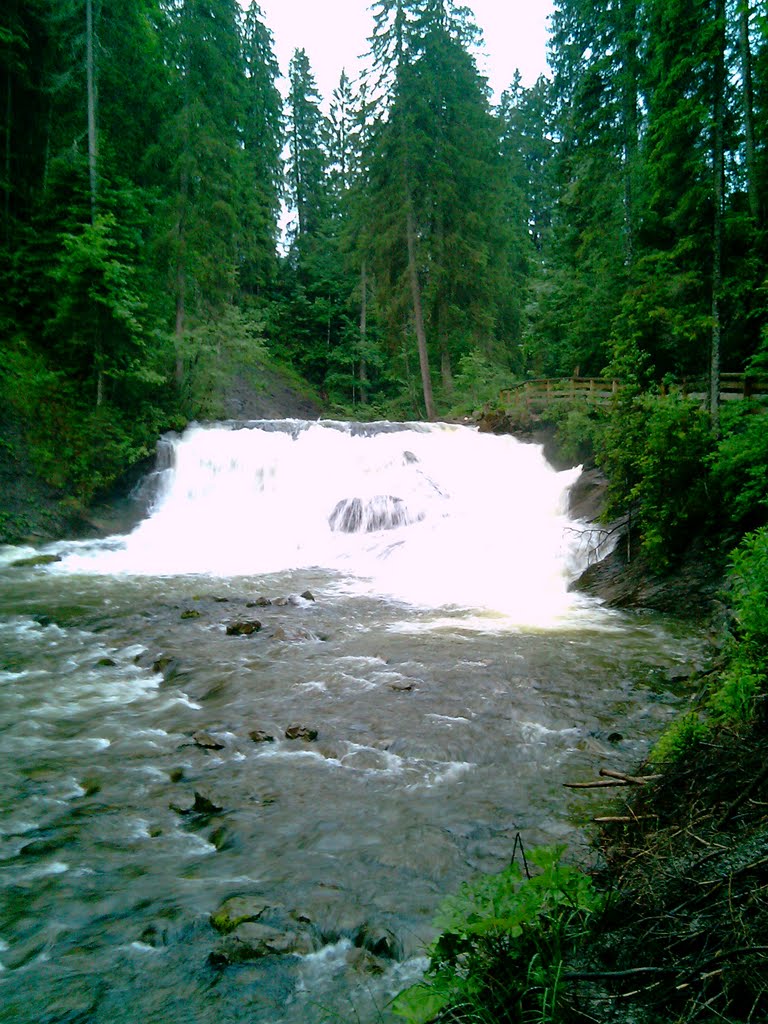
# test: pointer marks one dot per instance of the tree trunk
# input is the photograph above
(718, 164)
(748, 102)
(630, 121)
(446, 372)
(362, 371)
(90, 77)
(90, 74)
(418, 317)
(8, 137)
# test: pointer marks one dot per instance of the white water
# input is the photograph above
(483, 519)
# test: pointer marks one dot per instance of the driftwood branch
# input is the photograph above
(613, 778)
(622, 819)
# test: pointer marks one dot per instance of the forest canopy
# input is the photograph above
(439, 245)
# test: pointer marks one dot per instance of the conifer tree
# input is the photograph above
(262, 169)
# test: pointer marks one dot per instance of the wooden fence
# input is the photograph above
(601, 390)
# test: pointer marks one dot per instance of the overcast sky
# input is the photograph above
(335, 32)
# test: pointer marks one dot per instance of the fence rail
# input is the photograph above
(601, 390)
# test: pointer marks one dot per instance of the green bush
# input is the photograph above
(504, 943)
(744, 686)
(655, 451)
(739, 465)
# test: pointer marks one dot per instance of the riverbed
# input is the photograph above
(337, 728)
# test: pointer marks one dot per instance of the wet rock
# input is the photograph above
(190, 613)
(237, 910)
(260, 736)
(254, 941)
(90, 786)
(206, 741)
(403, 687)
(308, 595)
(176, 774)
(379, 940)
(494, 421)
(35, 560)
(106, 663)
(260, 602)
(166, 666)
(363, 961)
(586, 497)
(300, 732)
(245, 628)
(222, 838)
(381, 512)
(198, 803)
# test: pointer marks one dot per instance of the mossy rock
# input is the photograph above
(239, 910)
(34, 560)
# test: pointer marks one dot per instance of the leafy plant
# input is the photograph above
(504, 942)
(739, 465)
(655, 453)
(744, 686)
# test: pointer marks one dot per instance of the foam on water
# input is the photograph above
(481, 520)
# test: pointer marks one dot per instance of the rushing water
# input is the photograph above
(453, 682)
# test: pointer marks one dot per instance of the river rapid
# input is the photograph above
(419, 687)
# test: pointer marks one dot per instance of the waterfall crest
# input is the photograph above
(431, 514)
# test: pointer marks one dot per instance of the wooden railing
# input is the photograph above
(601, 390)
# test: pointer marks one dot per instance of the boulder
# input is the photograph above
(245, 628)
(237, 910)
(206, 741)
(254, 941)
(381, 512)
(260, 736)
(300, 732)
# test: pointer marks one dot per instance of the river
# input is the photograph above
(332, 673)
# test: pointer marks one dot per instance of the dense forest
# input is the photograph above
(608, 220)
(438, 245)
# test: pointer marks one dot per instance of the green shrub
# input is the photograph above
(744, 686)
(740, 464)
(504, 942)
(655, 452)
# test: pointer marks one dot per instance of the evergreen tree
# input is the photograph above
(436, 198)
(262, 170)
(204, 146)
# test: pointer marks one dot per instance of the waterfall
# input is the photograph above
(430, 514)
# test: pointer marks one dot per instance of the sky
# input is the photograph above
(334, 34)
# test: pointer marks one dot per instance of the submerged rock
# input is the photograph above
(381, 512)
(293, 635)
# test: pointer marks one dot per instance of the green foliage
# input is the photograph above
(680, 738)
(211, 352)
(654, 452)
(477, 382)
(739, 465)
(579, 430)
(739, 695)
(504, 943)
(743, 690)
